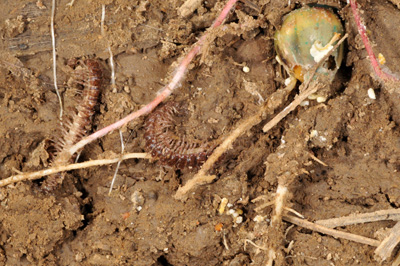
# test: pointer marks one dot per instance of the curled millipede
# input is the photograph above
(171, 150)
(76, 129)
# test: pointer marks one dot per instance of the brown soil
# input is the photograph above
(80, 224)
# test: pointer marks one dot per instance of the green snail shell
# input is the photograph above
(303, 28)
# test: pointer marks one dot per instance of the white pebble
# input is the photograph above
(313, 96)
(246, 69)
(305, 103)
(231, 211)
(321, 99)
(288, 81)
(239, 219)
(371, 94)
(313, 133)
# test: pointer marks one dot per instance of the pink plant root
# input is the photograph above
(361, 29)
(165, 92)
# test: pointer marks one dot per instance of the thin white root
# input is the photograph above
(224, 240)
(103, 16)
(119, 162)
(53, 44)
(294, 212)
(112, 66)
(103, 33)
(254, 244)
(54, 170)
(317, 160)
(70, 4)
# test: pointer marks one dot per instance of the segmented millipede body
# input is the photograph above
(164, 144)
(76, 129)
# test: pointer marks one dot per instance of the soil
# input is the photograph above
(140, 223)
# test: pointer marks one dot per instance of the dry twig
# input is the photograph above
(386, 247)
(329, 231)
(392, 214)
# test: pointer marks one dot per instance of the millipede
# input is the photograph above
(173, 150)
(76, 129)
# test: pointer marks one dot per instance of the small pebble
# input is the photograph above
(305, 103)
(371, 94)
(246, 69)
(127, 89)
(381, 59)
(239, 219)
(313, 133)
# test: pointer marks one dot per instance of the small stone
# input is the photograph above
(371, 94)
(127, 89)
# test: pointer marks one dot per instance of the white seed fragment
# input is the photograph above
(321, 99)
(371, 94)
(318, 51)
(246, 69)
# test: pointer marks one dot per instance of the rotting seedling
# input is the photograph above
(306, 35)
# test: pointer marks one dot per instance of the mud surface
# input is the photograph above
(141, 223)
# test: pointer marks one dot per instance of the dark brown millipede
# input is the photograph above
(170, 149)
